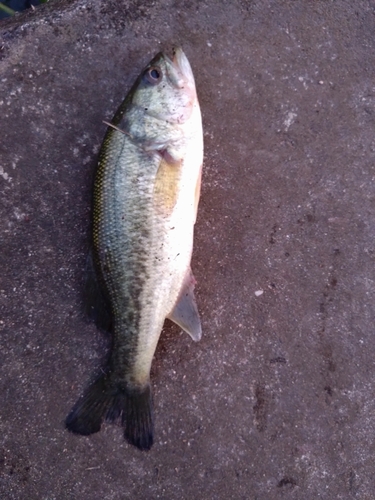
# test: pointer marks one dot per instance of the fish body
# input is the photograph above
(146, 194)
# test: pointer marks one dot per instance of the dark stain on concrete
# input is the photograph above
(287, 481)
(260, 408)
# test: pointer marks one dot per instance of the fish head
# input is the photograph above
(166, 88)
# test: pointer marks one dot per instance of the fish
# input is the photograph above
(145, 202)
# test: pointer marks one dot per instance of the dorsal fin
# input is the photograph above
(96, 303)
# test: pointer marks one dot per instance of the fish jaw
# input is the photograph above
(183, 73)
(182, 77)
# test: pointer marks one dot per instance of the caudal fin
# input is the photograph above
(87, 414)
(138, 419)
(104, 401)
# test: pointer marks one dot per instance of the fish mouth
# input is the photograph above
(181, 63)
(181, 73)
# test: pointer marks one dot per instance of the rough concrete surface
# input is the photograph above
(278, 399)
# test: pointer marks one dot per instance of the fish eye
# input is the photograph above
(154, 75)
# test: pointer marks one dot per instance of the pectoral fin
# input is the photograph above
(166, 188)
(185, 312)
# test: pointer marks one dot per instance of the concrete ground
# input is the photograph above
(278, 399)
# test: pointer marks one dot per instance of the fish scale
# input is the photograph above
(126, 245)
(145, 200)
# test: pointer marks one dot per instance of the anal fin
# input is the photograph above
(185, 312)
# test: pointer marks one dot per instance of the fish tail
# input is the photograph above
(104, 401)
(137, 418)
(87, 414)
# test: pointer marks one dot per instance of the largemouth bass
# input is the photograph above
(146, 194)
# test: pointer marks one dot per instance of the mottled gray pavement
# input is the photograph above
(278, 399)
